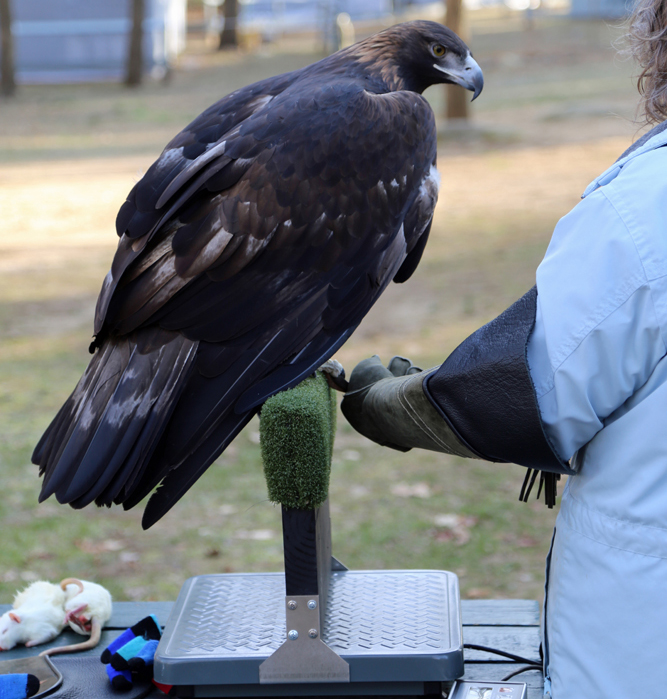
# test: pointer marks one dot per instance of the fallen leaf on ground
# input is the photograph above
(411, 490)
(359, 491)
(89, 546)
(453, 527)
(129, 557)
(255, 534)
(478, 593)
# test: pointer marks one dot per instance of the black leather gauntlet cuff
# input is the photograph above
(485, 393)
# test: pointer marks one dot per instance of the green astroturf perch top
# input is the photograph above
(297, 429)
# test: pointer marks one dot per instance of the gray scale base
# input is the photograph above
(399, 631)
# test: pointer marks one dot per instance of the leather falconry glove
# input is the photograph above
(480, 403)
(388, 405)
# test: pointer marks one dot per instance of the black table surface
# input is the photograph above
(509, 625)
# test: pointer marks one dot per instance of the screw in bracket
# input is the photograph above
(293, 635)
(292, 604)
(312, 604)
(312, 633)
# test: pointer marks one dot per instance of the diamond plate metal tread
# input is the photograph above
(371, 613)
(388, 612)
(230, 615)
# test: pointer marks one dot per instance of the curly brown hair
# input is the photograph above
(647, 38)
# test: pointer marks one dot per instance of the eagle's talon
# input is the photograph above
(334, 373)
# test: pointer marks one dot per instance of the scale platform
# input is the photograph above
(398, 631)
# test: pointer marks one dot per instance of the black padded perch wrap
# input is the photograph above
(485, 392)
(300, 542)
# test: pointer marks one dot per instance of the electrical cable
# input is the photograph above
(521, 670)
(531, 664)
(511, 656)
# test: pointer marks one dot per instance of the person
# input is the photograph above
(572, 379)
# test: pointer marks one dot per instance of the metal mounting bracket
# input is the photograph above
(303, 657)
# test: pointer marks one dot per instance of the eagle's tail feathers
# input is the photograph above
(170, 367)
(200, 416)
(139, 458)
(117, 411)
(69, 435)
(55, 438)
(181, 479)
(201, 428)
(195, 416)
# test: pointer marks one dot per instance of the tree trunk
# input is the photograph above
(457, 99)
(8, 86)
(135, 58)
(228, 35)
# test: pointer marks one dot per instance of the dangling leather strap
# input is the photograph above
(548, 483)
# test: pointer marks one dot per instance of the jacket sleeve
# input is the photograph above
(598, 335)
(538, 382)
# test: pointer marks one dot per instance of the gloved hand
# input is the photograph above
(364, 376)
(389, 406)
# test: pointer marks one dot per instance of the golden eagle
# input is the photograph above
(249, 252)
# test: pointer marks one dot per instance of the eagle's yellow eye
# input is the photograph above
(438, 50)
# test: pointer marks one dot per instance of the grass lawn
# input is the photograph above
(557, 109)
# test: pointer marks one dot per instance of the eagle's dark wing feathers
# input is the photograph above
(249, 253)
(303, 212)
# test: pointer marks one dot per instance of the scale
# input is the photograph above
(318, 629)
(386, 632)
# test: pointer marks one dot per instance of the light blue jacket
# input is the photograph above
(597, 358)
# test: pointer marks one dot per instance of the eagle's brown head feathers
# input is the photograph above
(415, 55)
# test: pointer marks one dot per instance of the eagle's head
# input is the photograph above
(416, 55)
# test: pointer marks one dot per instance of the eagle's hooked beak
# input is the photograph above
(466, 73)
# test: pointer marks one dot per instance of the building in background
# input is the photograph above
(87, 40)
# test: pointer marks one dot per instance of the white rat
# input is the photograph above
(87, 609)
(37, 616)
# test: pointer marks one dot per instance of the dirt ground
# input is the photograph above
(558, 107)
